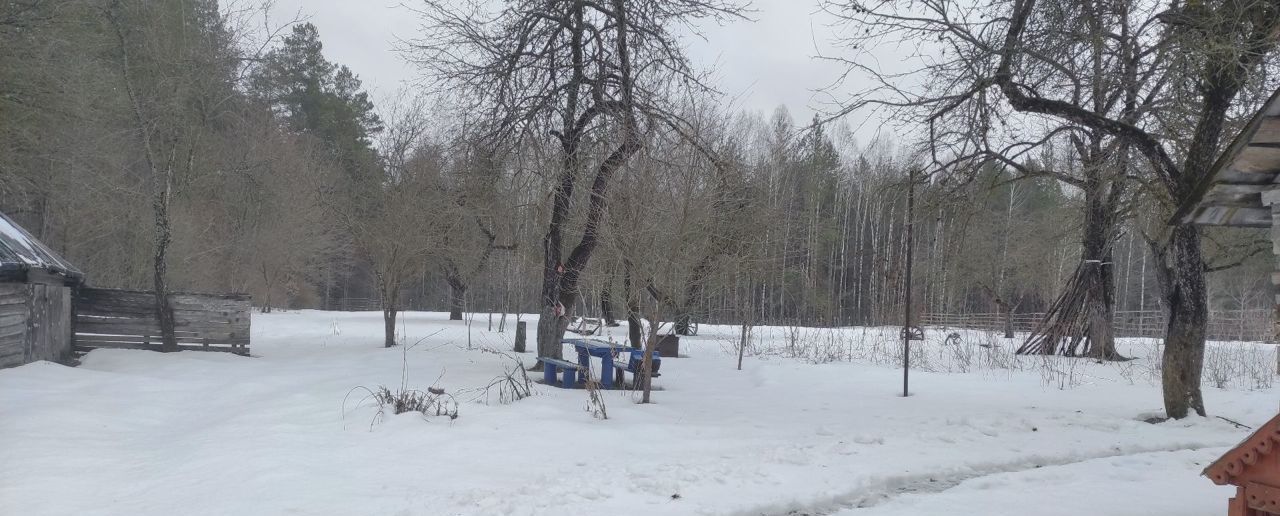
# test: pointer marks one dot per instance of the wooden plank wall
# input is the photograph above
(49, 322)
(13, 323)
(35, 323)
(113, 318)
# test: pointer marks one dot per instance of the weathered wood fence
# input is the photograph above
(126, 319)
(1254, 325)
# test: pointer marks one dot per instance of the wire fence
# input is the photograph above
(1252, 325)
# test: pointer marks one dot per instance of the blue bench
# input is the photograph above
(570, 369)
(634, 364)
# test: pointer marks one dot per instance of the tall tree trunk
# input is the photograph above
(389, 293)
(161, 188)
(560, 280)
(457, 297)
(634, 324)
(1083, 313)
(1185, 297)
(693, 292)
(606, 308)
(389, 325)
(552, 316)
(1099, 281)
(164, 312)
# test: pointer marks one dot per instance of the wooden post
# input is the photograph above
(519, 337)
(906, 319)
(1272, 198)
(741, 346)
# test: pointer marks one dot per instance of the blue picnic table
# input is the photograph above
(608, 352)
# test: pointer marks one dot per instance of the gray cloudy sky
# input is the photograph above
(759, 64)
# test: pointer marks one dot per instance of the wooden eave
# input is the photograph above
(1231, 194)
(1231, 467)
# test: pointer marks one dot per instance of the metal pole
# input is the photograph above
(906, 319)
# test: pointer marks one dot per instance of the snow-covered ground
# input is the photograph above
(813, 424)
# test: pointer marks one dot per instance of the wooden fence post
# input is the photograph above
(519, 337)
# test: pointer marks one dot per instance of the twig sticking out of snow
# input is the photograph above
(1234, 422)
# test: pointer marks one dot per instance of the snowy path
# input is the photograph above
(1122, 485)
(140, 433)
(888, 494)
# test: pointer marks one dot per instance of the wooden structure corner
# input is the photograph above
(1253, 466)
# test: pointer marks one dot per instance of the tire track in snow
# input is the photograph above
(880, 490)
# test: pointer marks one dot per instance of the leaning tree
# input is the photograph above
(1145, 88)
(594, 76)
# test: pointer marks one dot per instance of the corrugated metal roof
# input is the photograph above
(22, 252)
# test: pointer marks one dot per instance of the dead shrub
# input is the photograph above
(432, 402)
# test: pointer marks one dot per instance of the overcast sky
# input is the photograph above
(759, 64)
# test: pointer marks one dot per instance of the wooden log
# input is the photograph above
(232, 296)
(15, 308)
(12, 348)
(118, 326)
(11, 360)
(189, 322)
(149, 311)
(135, 301)
(123, 340)
(184, 337)
(156, 347)
(9, 301)
(212, 315)
(13, 319)
(208, 303)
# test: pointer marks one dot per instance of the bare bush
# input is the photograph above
(1059, 371)
(432, 402)
(1218, 367)
(1257, 369)
(512, 385)
(1239, 365)
(1128, 370)
(595, 396)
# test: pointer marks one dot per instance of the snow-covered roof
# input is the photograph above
(19, 251)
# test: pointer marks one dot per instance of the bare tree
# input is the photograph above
(395, 214)
(1180, 71)
(177, 85)
(593, 75)
(475, 189)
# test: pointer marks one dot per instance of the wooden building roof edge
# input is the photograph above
(1186, 212)
(1265, 440)
(22, 251)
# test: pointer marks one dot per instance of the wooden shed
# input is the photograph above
(1253, 466)
(35, 298)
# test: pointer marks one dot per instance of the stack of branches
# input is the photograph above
(1076, 324)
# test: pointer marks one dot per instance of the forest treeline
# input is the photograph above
(290, 184)
(566, 158)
